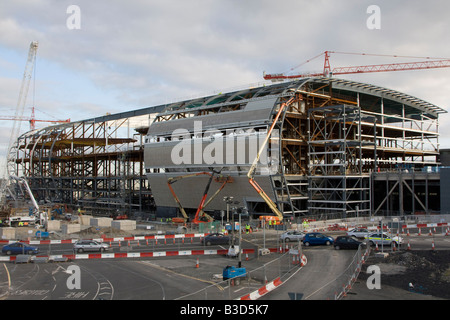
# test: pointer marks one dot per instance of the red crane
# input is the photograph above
(32, 119)
(431, 63)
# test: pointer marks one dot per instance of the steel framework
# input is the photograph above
(329, 151)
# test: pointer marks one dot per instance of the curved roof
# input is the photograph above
(381, 92)
(222, 100)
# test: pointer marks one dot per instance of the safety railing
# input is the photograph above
(273, 272)
(343, 284)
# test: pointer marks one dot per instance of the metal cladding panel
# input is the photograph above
(230, 151)
(255, 113)
(190, 190)
(445, 190)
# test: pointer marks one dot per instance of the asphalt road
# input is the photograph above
(316, 280)
(175, 277)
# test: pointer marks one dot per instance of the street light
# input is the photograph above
(228, 200)
(243, 209)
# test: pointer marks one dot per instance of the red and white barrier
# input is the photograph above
(426, 225)
(152, 254)
(269, 286)
(119, 239)
(263, 290)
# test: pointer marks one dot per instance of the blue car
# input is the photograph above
(316, 238)
(19, 248)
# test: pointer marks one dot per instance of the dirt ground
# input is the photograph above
(428, 271)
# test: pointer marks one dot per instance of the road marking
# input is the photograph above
(180, 274)
(9, 277)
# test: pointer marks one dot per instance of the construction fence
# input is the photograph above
(343, 284)
(274, 272)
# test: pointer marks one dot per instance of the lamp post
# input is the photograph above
(228, 200)
(243, 209)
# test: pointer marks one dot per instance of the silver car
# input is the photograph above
(292, 236)
(359, 233)
(90, 245)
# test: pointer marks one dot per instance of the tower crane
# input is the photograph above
(32, 120)
(430, 63)
(19, 114)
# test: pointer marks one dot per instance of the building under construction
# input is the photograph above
(314, 146)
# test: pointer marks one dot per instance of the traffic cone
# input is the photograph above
(407, 233)
(246, 257)
(431, 233)
(393, 246)
(409, 247)
(376, 246)
(446, 232)
(198, 264)
(432, 245)
(420, 232)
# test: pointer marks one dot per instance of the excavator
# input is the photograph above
(200, 216)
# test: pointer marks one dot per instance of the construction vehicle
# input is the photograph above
(272, 205)
(234, 273)
(34, 217)
(200, 216)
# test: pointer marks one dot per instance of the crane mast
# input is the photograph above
(11, 152)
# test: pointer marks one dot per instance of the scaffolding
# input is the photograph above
(88, 165)
(337, 182)
(331, 152)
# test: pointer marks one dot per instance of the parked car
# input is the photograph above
(359, 233)
(292, 236)
(316, 238)
(215, 238)
(383, 238)
(89, 245)
(19, 248)
(347, 242)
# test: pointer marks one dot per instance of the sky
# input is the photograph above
(112, 56)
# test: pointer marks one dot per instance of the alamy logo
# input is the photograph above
(74, 20)
(374, 20)
(374, 281)
(74, 280)
(232, 147)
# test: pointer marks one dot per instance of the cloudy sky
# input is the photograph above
(131, 54)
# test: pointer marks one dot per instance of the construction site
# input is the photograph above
(165, 186)
(299, 146)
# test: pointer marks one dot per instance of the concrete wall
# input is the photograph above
(70, 228)
(124, 224)
(101, 222)
(7, 233)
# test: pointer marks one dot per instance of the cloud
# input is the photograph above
(138, 53)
